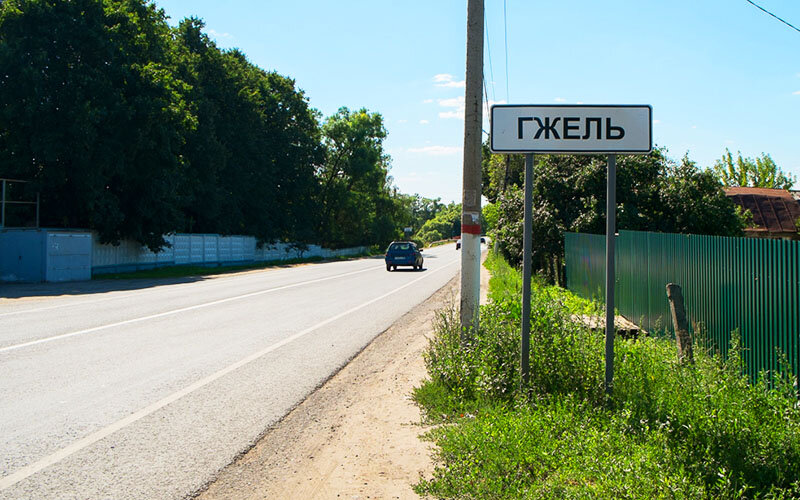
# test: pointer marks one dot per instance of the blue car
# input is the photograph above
(403, 253)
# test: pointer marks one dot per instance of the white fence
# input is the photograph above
(201, 249)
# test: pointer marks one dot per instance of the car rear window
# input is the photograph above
(400, 246)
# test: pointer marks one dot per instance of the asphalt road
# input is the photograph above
(146, 390)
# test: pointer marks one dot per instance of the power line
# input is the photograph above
(505, 28)
(485, 94)
(489, 52)
(773, 15)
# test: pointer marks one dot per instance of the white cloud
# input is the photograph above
(427, 101)
(402, 121)
(694, 126)
(447, 80)
(455, 102)
(796, 92)
(436, 150)
(452, 114)
(579, 102)
(656, 121)
(560, 99)
(216, 34)
(424, 122)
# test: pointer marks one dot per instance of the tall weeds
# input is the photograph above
(669, 429)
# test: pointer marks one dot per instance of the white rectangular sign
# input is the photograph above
(543, 128)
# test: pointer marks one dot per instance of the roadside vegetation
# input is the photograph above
(654, 193)
(135, 128)
(669, 430)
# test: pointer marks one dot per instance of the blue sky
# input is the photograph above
(719, 74)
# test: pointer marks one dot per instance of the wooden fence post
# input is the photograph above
(682, 337)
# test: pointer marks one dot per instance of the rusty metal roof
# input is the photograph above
(774, 210)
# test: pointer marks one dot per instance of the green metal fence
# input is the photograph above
(748, 284)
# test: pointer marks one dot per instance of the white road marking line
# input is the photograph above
(176, 311)
(104, 299)
(94, 437)
(121, 295)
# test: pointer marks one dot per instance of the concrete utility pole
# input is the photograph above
(471, 196)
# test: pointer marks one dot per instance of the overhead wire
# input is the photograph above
(505, 29)
(483, 70)
(773, 15)
(485, 95)
(491, 71)
(489, 53)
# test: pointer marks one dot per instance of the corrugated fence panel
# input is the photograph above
(729, 284)
(585, 254)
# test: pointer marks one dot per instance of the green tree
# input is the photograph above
(136, 129)
(759, 172)
(499, 172)
(416, 210)
(490, 213)
(653, 194)
(446, 224)
(355, 188)
(254, 152)
(692, 201)
(92, 114)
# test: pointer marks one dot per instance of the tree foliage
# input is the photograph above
(761, 172)
(255, 149)
(92, 113)
(446, 224)
(654, 193)
(499, 172)
(355, 188)
(418, 210)
(136, 129)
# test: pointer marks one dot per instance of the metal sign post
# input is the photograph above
(570, 129)
(527, 242)
(611, 225)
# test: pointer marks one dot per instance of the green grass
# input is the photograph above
(669, 430)
(189, 270)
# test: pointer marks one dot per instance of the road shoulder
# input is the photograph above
(356, 436)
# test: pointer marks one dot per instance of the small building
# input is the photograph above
(35, 255)
(776, 212)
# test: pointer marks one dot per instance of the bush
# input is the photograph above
(564, 355)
